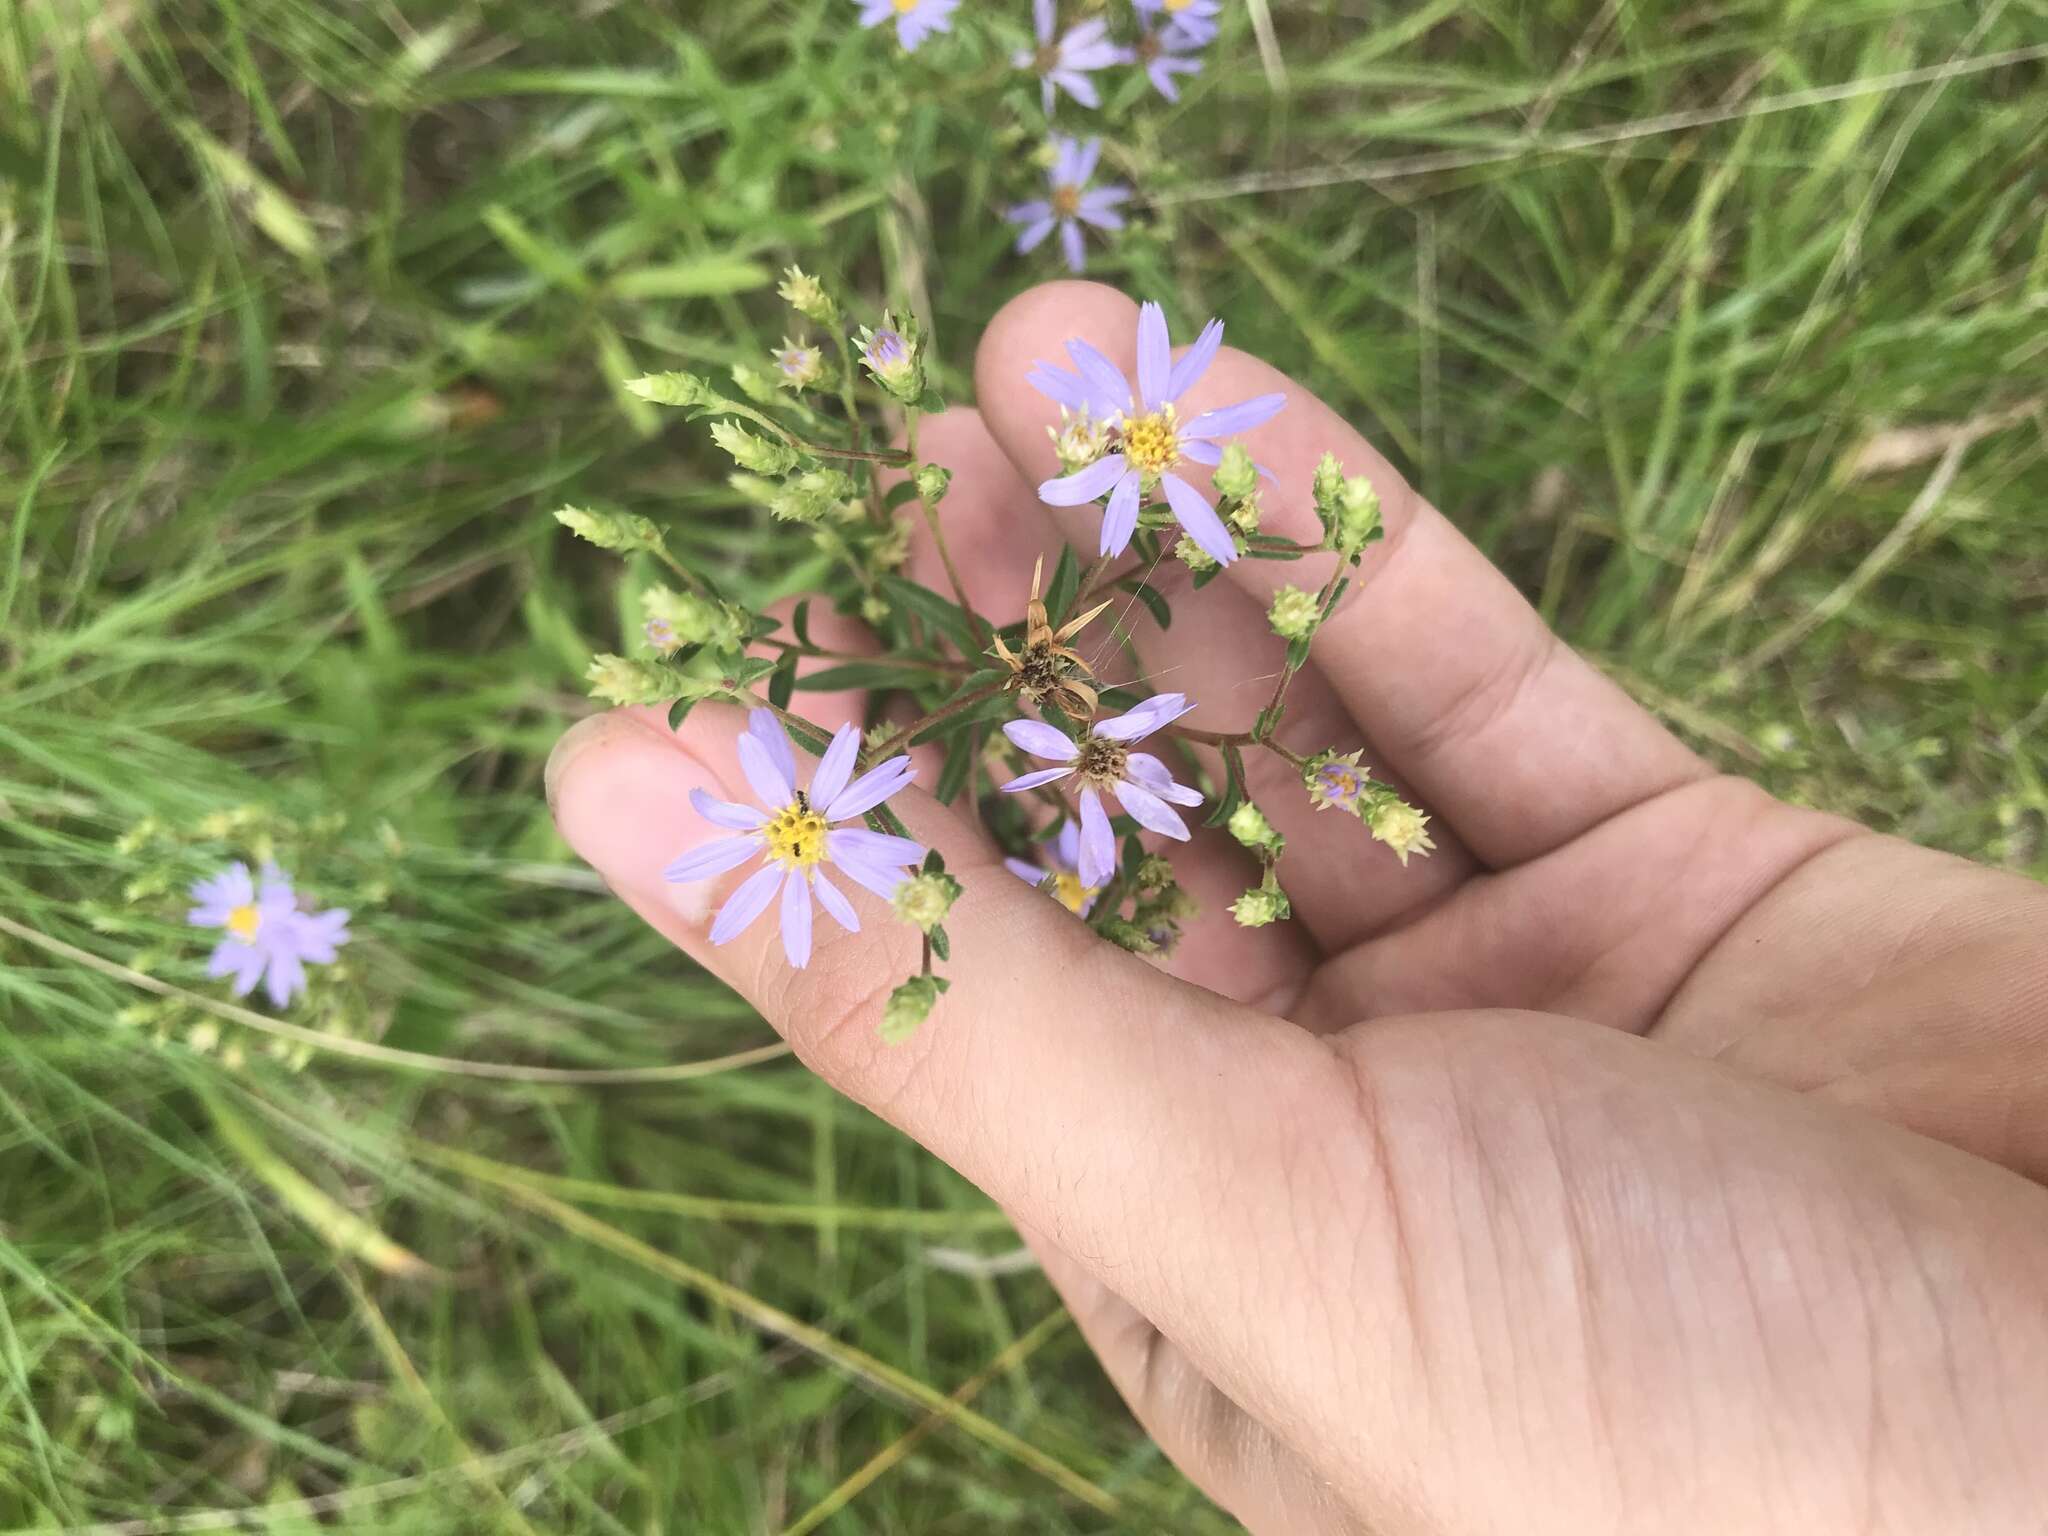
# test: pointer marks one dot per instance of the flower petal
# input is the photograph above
(1066, 848)
(1090, 151)
(1030, 874)
(1098, 842)
(796, 921)
(725, 813)
(766, 729)
(833, 900)
(1142, 720)
(1043, 19)
(1060, 386)
(870, 790)
(1199, 519)
(878, 878)
(771, 786)
(1200, 451)
(1041, 740)
(1084, 485)
(1233, 419)
(1034, 779)
(1028, 213)
(713, 858)
(1150, 812)
(747, 903)
(1195, 362)
(1155, 356)
(877, 849)
(1111, 389)
(1120, 520)
(1071, 246)
(836, 766)
(285, 979)
(1149, 771)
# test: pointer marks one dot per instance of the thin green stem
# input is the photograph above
(931, 519)
(917, 728)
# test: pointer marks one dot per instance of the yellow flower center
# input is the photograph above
(243, 923)
(905, 7)
(1175, 7)
(1151, 444)
(796, 835)
(1072, 893)
(1066, 200)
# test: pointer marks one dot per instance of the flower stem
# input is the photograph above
(917, 728)
(931, 518)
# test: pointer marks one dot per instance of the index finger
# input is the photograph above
(1463, 691)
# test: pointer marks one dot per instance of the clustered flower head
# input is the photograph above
(269, 938)
(1064, 63)
(1070, 202)
(1150, 442)
(795, 830)
(1340, 783)
(1194, 19)
(1061, 868)
(915, 20)
(1105, 764)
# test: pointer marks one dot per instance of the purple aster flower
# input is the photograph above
(1105, 762)
(1064, 64)
(794, 829)
(1169, 51)
(1063, 862)
(268, 937)
(916, 20)
(1151, 438)
(1196, 19)
(1072, 202)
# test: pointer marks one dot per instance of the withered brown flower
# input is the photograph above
(1046, 670)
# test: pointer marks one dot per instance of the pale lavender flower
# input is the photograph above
(1064, 64)
(1105, 763)
(1063, 863)
(268, 937)
(1072, 203)
(794, 829)
(1195, 18)
(915, 19)
(1151, 439)
(1166, 52)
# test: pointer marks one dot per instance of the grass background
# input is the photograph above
(1722, 324)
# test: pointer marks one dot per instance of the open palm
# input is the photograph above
(1656, 1154)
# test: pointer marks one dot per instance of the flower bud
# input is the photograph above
(1294, 614)
(909, 1006)
(807, 296)
(610, 530)
(751, 452)
(1079, 440)
(1326, 483)
(799, 364)
(1358, 515)
(1262, 905)
(933, 481)
(812, 496)
(1337, 781)
(1401, 827)
(621, 680)
(924, 900)
(756, 385)
(1236, 476)
(1193, 556)
(892, 356)
(672, 389)
(1248, 824)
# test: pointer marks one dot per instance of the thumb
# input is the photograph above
(1100, 1100)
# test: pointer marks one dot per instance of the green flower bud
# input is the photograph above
(621, 531)
(807, 296)
(1294, 614)
(811, 496)
(924, 900)
(1326, 484)
(621, 680)
(933, 481)
(894, 357)
(1249, 826)
(1236, 476)
(1261, 905)
(1193, 556)
(751, 452)
(755, 384)
(799, 363)
(1358, 515)
(909, 1006)
(673, 389)
(1401, 827)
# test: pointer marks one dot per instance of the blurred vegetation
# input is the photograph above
(1723, 325)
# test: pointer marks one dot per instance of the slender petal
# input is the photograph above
(1098, 842)
(1084, 485)
(747, 903)
(1200, 452)
(1033, 235)
(766, 729)
(712, 858)
(834, 901)
(882, 879)
(1035, 778)
(1089, 153)
(1195, 361)
(836, 766)
(1233, 419)
(1060, 387)
(1155, 356)
(875, 12)
(870, 790)
(1147, 770)
(1140, 721)
(1071, 247)
(725, 813)
(860, 846)
(1112, 390)
(1030, 874)
(1199, 519)
(1066, 848)
(285, 979)
(1120, 520)
(242, 961)
(1043, 19)
(1149, 811)
(771, 786)
(796, 920)
(1040, 740)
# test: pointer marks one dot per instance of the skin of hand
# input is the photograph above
(1656, 1157)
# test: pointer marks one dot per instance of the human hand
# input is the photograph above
(1655, 1155)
